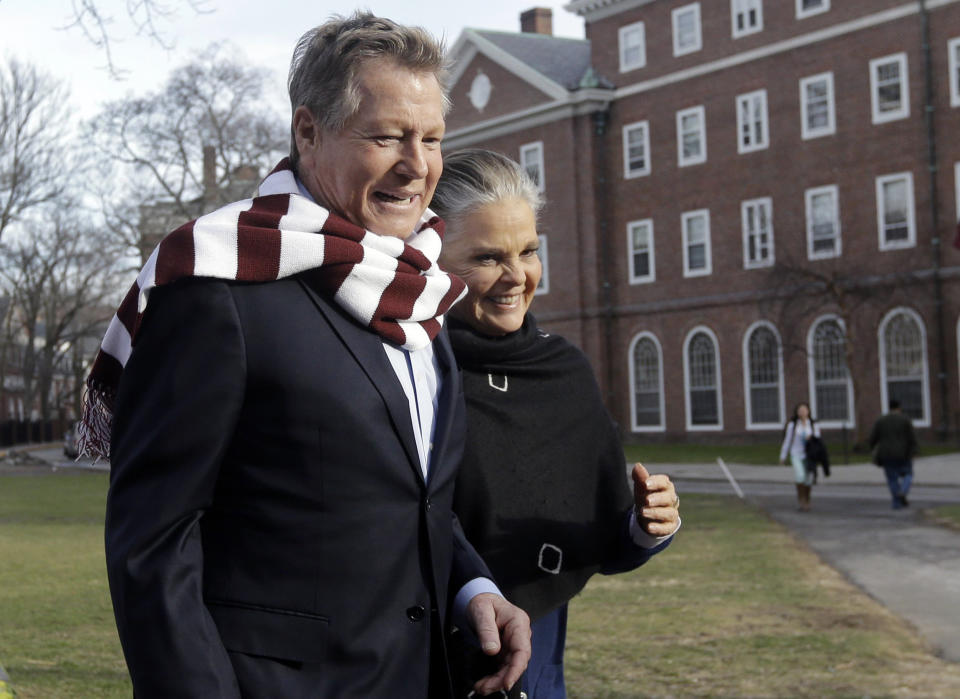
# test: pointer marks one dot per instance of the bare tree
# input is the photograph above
(58, 282)
(800, 290)
(152, 149)
(33, 132)
(146, 16)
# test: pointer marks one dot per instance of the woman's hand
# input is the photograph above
(655, 502)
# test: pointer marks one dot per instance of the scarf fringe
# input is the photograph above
(95, 425)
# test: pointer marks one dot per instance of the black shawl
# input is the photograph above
(542, 491)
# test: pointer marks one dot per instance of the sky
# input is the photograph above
(265, 32)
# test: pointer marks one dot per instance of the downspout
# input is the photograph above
(935, 242)
(600, 121)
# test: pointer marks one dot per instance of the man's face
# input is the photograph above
(380, 170)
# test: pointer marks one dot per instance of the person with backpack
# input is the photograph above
(798, 431)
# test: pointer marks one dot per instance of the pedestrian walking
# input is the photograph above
(894, 445)
(799, 429)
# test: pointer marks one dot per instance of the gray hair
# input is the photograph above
(475, 177)
(324, 71)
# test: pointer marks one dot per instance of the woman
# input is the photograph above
(797, 433)
(542, 492)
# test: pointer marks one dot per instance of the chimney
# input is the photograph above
(538, 20)
(209, 175)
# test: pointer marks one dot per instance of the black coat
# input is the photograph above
(269, 531)
(816, 454)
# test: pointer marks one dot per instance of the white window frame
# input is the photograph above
(646, 169)
(904, 111)
(543, 253)
(634, 427)
(756, 143)
(536, 150)
(702, 133)
(623, 31)
(809, 195)
(810, 12)
(766, 203)
(812, 377)
(953, 59)
(743, 5)
(652, 275)
(831, 127)
(925, 376)
(911, 240)
(686, 381)
(708, 253)
(748, 400)
(675, 18)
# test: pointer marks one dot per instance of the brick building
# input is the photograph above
(751, 203)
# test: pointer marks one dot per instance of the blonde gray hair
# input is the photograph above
(474, 177)
(325, 69)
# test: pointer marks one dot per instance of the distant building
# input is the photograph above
(157, 219)
(748, 205)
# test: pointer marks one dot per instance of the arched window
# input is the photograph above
(903, 364)
(646, 384)
(701, 373)
(763, 376)
(831, 390)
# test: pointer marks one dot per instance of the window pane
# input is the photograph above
(696, 230)
(764, 372)
(818, 112)
(697, 256)
(641, 264)
(903, 345)
(690, 134)
(910, 395)
(702, 371)
(703, 407)
(888, 86)
(636, 148)
(830, 372)
(765, 404)
(646, 371)
(832, 402)
(895, 210)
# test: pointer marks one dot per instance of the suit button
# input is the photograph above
(427, 504)
(416, 613)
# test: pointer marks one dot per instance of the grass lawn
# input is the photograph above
(759, 454)
(57, 636)
(735, 607)
(945, 515)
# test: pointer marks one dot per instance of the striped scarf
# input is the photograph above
(391, 285)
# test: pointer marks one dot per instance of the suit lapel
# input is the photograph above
(367, 348)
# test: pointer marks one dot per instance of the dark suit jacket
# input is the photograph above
(269, 531)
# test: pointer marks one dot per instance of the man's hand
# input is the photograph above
(655, 501)
(502, 628)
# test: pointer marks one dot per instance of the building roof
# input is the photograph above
(564, 61)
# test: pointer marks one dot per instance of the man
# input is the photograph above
(894, 444)
(286, 429)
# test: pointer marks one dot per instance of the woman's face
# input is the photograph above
(803, 412)
(494, 250)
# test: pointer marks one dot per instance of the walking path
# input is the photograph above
(899, 557)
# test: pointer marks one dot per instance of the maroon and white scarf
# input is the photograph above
(393, 286)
